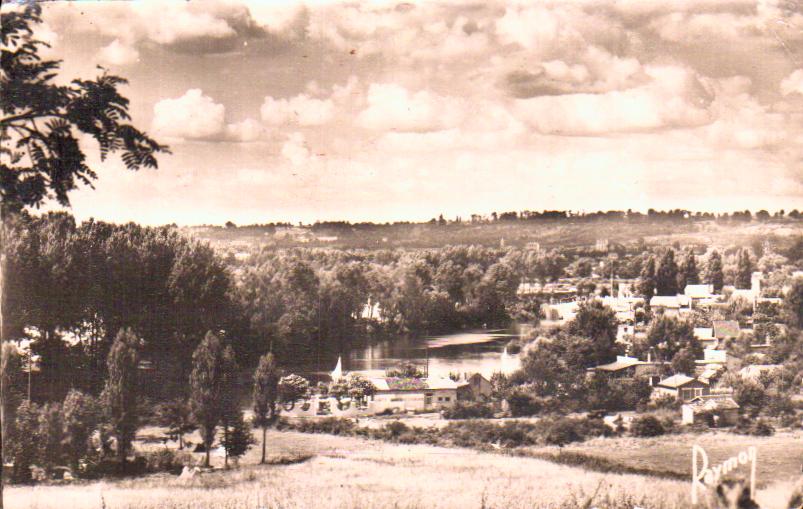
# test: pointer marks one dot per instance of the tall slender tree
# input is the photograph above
(266, 396)
(688, 273)
(666, 282)
(714, 273)
(647, 280)
(206, 388)
(744, 270)
(121, 393)
(230, 412)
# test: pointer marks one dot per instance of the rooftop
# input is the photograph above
(676, 381)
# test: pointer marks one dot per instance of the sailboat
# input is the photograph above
(506, 368)
(338, 371)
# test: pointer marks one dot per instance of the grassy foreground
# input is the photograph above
(346, 472)
(779, 456)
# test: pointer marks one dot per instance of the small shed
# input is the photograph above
(716, 410)
(682, 387)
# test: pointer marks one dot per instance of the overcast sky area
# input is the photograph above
(401, 111)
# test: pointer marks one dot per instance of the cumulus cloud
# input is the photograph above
(192, 116)
(245, 131)
(302, 109)
(295, 149)
(393, 107)
(793, 84)
(674, 98)
(118, 53)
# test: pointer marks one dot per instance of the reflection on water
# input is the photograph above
(471, 352)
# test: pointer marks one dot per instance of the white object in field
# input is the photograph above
(337, 374)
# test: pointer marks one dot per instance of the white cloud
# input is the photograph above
(118, 53)
(793, 84)
(393, 107)
(674, 98)
(245, 131)
(191, 116)
(295, 149)
(301, 109)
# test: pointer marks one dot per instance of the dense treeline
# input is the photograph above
(303, 297)
(70, 288)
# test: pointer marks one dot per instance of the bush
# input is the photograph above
(523, 404)
(759, 428)
(330, 425)
(647, 426)
(167, 460)
(469, 410)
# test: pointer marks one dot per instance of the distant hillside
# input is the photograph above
(545, 234)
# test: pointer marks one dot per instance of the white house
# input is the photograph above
(412, 394)
(671, 305)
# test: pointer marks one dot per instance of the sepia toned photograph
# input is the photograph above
(455, 254)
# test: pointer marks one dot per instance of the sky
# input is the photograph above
(384, 111)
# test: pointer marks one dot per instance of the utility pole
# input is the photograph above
(426, 349)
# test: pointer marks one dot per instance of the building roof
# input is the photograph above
(726, 329)
(675, 381)
(699, 291)
(669, 301)
(621, 362)
(711, 372)
(413, 384)
(712, 402)
(704, 333)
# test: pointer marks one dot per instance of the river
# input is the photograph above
(477, 351)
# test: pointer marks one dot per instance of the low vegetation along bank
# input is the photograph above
(343, 472)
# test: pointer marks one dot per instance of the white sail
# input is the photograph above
(338, 372)
(508, 363)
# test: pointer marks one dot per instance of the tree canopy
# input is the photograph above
(41, 157)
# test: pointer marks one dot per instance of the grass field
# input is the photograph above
(345, 472)
(779, 456)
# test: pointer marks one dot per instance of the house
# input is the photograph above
(403, 394)
(711, 375)
(681, 387)
(713, 357)
(699, 292)
(625, 368)
(726, 329)
(705, 335)
(670, 305)
(474, 387)
(715, 410)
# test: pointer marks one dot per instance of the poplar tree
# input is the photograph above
(206, 385)
(647, 280)
(121, 393)
(714, 273)
(266, 396)
(666, 276)
(688, 273)
(744, 270)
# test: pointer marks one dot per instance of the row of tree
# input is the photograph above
(669, 278)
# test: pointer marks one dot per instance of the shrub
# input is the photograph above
(331, 425)
(759, 428)
(469, 410)
(647, 426)
(167, 460)
(523, 404)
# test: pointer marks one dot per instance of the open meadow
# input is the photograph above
(779, 456)
(324, 471)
